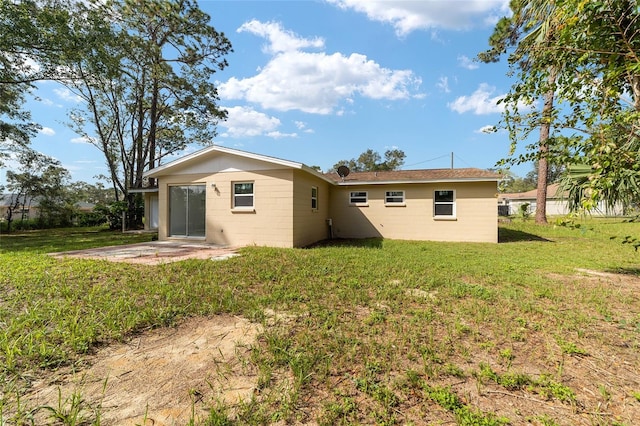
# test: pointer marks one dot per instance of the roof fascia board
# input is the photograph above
(402, 182)
(216, 148)
(143, 190)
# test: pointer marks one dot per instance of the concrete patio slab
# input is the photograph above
(154, 252)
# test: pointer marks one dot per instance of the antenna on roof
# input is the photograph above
(343, 172)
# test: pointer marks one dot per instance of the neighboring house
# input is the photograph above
(28, 211)
(557, 204)
(225, 196)
(31, 208)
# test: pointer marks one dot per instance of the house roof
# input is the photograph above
(415, 176)
(212, 150)
(553, 192)
(354, 178)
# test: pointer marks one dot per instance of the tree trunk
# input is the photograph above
(151, 142)
(543, 150)
(541, 194)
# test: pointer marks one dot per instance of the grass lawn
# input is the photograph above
(541, 329)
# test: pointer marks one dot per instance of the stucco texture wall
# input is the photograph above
(309, 224)
(475, 219)
(268, 223)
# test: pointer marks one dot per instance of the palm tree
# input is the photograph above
(529, 32)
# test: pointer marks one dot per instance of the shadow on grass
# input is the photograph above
(65, 239)
(624, 271)
(513, 236)
(375, 243)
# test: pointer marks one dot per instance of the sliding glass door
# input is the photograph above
(187, 211)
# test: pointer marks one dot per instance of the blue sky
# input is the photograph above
(321, 81)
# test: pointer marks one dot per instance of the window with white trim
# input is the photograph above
(444, 203)
(314, 198)
(243, 195)
(358, 197)
(394, 197)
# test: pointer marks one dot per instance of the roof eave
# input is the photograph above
(317, 174)
(143, 190)
(413, 181)
(160, 170)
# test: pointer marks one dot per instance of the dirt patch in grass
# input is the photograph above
(163, 377)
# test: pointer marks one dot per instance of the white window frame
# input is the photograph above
(314, 198)
(443, 203)
(387, 197)
(356, 200)
(252, 195)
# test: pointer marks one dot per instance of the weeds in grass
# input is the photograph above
(545, 385)
(448, 400)
(507, 355)
(546, 420)
(218, 416)
(70, 411)
(339, 413)
(570, 348)
(552, 389)
(13, 410)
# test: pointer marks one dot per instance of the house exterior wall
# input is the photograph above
(284, 213)
(269, 223)
(29, 213)
(309, 225)
(475, 219)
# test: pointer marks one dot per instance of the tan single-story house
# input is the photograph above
(231, 197)
(557, 204)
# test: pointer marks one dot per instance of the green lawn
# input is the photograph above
(384, 332)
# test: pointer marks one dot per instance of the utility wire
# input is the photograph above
(438, 158)
(426, 161)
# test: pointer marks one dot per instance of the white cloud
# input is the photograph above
(314, 82)
(67, 95)
(480, 102)
(277, 135)
(409, 16)
(82, 139)
(247, 122)
(443, 84)
(280, 40)
(301, 125)
(468, 63)
(47, 131)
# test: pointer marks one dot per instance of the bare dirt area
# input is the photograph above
(598, 357)
(153, 253)
(167, 376)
